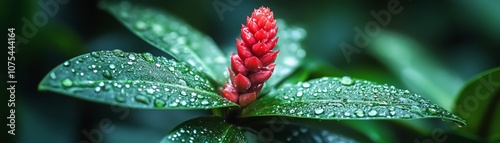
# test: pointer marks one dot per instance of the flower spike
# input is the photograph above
(254, 63)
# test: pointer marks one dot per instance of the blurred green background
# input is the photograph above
(431, 48)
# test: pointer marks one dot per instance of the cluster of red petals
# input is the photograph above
(254, 63)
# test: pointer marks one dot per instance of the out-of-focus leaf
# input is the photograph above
(291, 52)
(206, 129)
(134, 80)
(173, 36)
(480, 15)
(344, 99)
(416, 68)
(478, 103)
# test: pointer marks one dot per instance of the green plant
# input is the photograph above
(195, 80)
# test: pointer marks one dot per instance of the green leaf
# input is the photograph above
(291, 52)
(173, 36)
(206, 129)
(417, 69)
(283, 129)
(478, 104)
(346, 98)
(134, 80)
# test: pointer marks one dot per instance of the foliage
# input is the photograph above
(194, 78)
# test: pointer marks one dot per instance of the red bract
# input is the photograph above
(254, 63)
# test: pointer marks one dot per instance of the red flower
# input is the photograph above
(254, 63)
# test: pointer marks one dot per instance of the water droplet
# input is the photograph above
(182, 82)
(173, 104)
(158, 29)
(112, 66)
(183, 93)
(67, 82)
(131, 57)
(97, 89)
(346, 80)
(392, 113)
(183, 103)
(107, 74)
(359, 113)
(118, 53)
(200, 96)
(372, 113)
(347, 114)
(319, 111)
(120, 98)
(95, 54)
(66, 64)
(338, 89)
(432, 110)
(299, 94)
(148, 57)
(182, 130)
(204, 102)
(406, 92)
(142, 99)
(53, 75)
(150, 90)
(171, 68)
(306, 85)
(140, 25)
(181, 40)
(160, 103)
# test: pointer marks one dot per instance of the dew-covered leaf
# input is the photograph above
(173, 36)
(291, 52)
(206, 129)
(283, 129)
(346, 98)
(478, 104)
(137, 80)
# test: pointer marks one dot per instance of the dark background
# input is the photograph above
(460, 37)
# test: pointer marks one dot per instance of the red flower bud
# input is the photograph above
(269, 58)
(230, 93)
(269, 67)
(260, 35)
(272, 43)
(259, 49)
(253, 64)
(260, 77)
(243, 51)
(241, 83)
(252, 25)
(247, 36)
(237, 65)
(247, 98)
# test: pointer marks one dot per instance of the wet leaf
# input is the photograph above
(291, 53)
(133, 80)
(205, 129)
(283, 129)
(173, 36)
(478, 104)
(346, 98)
